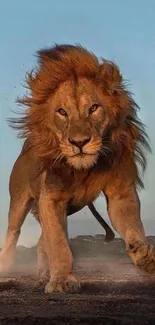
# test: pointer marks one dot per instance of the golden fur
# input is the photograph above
(83, 137)
(74, 63)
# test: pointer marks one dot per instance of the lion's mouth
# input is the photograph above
(82, 160)
(83, 154)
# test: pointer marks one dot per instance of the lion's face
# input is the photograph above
(79, 119)
(77, 109)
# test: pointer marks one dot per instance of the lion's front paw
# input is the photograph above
(146, 258)
(143, 256)
(67, 284)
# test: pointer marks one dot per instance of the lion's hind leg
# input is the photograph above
(42, 258)
(19, 208)
(43, 264)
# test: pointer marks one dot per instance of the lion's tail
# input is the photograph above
(109, 233)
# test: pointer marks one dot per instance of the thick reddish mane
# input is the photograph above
(57, 64)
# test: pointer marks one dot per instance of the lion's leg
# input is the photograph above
(42, 258)
(124, 212)
(53, 220)
(43, 264)
(19, 207)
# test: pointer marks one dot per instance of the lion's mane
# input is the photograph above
(58, 64)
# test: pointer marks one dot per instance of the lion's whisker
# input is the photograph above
(58, 159)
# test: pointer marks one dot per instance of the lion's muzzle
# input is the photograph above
(79, 142)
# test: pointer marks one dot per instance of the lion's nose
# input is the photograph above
(79, 142)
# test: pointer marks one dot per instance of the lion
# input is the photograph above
(82, 137)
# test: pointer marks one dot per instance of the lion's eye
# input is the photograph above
(61, 111)
(93, 108)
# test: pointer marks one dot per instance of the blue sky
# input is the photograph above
(123, 31)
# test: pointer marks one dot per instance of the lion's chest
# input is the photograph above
(86, 190)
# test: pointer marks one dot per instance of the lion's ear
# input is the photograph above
(110, 76)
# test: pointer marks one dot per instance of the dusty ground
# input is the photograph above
(113, 290)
